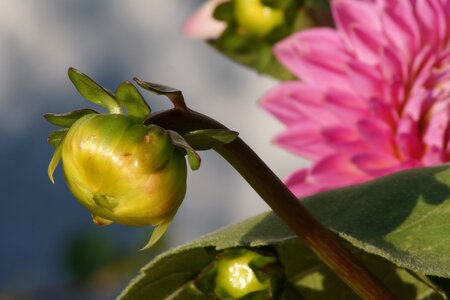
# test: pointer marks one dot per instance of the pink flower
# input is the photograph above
(374, 96)
(202, 25)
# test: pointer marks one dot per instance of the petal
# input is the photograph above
(304, 139)
(202, 25)
(376, 164)
(408, 141)
(316, 56)
(299, 185)
(366, 43)
(348, 13)
(336, 170)
(376, 134)
(365, 80)
(279, 102)
(344, 139)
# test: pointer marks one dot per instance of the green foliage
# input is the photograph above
(172, 274)
(67, 119)
(255, 51)
(128, 95)
(396, 225)
(92, 91)
(206, 139)
(403, 217)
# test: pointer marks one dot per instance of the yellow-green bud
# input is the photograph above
(235, 278)
(123, 171)
(257, 19)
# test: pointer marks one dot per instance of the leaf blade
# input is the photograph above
(92, 91)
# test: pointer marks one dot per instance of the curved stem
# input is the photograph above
(282, 202)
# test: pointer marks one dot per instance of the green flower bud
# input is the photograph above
(236, 274)
(257, 19)
(123, 171)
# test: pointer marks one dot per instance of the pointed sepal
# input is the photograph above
(193, 157)
(99, 221)
(93, 92)
(55, 137)
(206, 139)
(175, 95)
(54, 162)
(67, 119)
(158, 232)
(130, 98)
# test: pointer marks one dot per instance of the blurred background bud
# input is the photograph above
(246, 30)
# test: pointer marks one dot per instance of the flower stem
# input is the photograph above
(282, 202)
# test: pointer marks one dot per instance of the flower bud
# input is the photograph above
(256, 18)
(237, 275)
(123, 171)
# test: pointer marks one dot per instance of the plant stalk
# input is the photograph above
(283, 203)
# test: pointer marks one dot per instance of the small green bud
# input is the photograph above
(123, 171)
(236, 274)
(256, 18)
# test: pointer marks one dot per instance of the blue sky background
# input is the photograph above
(111, 41)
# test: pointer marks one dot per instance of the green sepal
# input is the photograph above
(67, 119)
(128, 96)
(93, 92)
(54, 162)
(55, 137)
(157, 88)
(175, 95)
(206, 139)
(193, 158)
(158, 232)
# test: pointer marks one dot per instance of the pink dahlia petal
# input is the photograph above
(344, 139)
(317, 56)
(433, 156)
(348, 13)
(278, 101)
(304, 139)
(299, 185)
(408, 142)
(335, 171)
(376, 164)
(366, 81)
(202, 25)
(401, 28)
(377, 134)
(367, 43)
(347, 107)
(375, 93)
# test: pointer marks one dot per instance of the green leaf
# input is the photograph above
(92, 91)
(193, 157)
(55, 137)
(67, 119)
(252, 59)
(206, 139)
(128, 95)
(171, 274)
(173, 94)
(403, 217)
(224, 12)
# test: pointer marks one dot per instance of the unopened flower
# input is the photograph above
(118, 168)
(241, 273)
(374, 96)
(235, 276)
